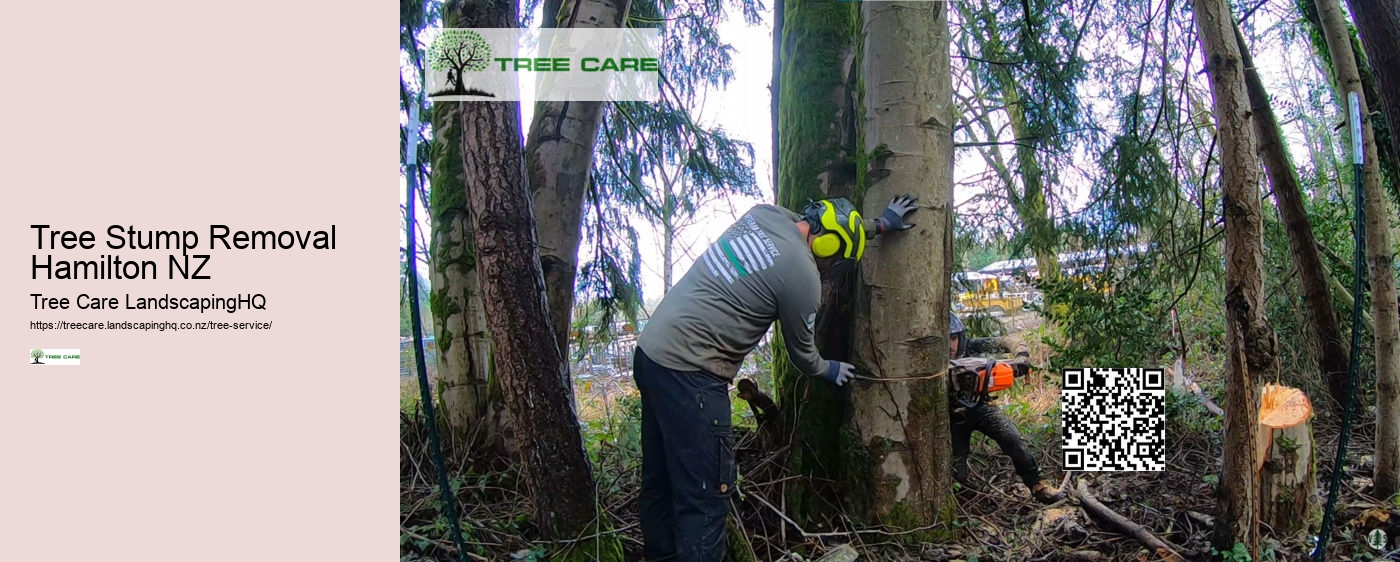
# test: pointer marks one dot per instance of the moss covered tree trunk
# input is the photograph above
(1312, 274)
(470, 396)
(559, 157)
(1380, 258)
(898, 459)
(1249, 340)
(816, 144)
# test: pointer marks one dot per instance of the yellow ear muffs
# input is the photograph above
(841, 230)
(826, 245)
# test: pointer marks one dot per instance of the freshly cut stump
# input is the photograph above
(1286, 462)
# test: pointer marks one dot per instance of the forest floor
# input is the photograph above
(998, 519)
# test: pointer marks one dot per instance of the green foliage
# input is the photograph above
(459, 49)
(1187, 414)
(1240, 553)
(1125, 326)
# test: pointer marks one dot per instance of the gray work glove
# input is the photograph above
(893, 220)
(838, 373)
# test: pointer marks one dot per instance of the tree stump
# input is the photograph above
(1286, 460)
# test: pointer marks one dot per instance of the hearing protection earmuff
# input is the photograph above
(838, 228)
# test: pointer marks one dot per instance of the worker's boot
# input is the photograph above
(1043, 493)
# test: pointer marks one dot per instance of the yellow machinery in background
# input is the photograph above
(984, 293)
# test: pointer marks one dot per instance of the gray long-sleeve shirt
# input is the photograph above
(759, 271)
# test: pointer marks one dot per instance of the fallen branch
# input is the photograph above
(1205, 400)
(1103, 514)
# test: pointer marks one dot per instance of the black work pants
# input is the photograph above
(687, 462)
(989, 420)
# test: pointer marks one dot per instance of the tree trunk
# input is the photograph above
(816, 138)
(1288, 480)
(470, 395)
(1379, 24)
(1030, 205)
(900, 428)
(463, 346)
(534, 377)
(1380, 258)
(775, 86)
(1249, 340)
(668, 245)
(1312, 274)
(559, 157)
(1388, 157)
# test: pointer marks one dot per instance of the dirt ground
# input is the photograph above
(998, 521)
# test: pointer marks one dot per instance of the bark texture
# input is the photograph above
(469, 393)
(1380, 259)
(816, 120)
(1249, 340)
(1288, 480)
(1288, 193)
(901, 445)
(1379, 25)
(1378, 22)
(559, 157)
(534, 377)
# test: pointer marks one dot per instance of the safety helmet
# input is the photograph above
(838, 228)
(956, 330)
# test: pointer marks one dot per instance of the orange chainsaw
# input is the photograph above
(975, 378)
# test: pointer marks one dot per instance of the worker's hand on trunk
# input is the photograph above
(900, 207)
(838, 373)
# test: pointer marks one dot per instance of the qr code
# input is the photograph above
(1114, 419)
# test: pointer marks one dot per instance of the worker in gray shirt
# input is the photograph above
(765, 267)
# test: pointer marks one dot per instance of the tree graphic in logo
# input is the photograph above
(36, 354)
(458, 51)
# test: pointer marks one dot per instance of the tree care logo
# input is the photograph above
(456, 52)
(513, 64)
(54, 357)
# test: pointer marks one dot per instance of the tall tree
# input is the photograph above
(1288, 193)
(667, 167)
(1379, 24)
(469, 394)
(1025, 55)
(1380, 258)
(558, 158)
(533, 374)
(1249, 340)
(816, 139)
(1385, 152)
(901, 333)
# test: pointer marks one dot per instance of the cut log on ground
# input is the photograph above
(1287, 474)
(1106, 516)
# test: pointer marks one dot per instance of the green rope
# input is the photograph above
(1358, 263)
